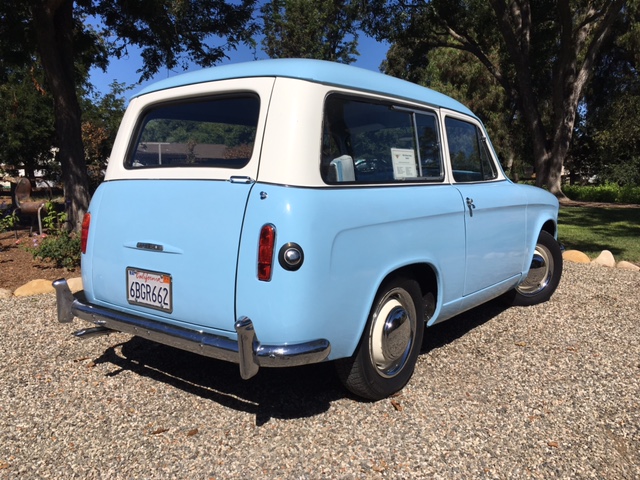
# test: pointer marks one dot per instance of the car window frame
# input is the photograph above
(485, 143)
(393, 105)
(141, 122)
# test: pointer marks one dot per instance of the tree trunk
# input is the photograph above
(53, 22)
(581, 39)
(518, 48)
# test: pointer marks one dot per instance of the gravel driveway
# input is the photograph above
(551, 391)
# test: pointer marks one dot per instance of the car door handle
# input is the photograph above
(471, 206)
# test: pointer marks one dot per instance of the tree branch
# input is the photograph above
(468, 44)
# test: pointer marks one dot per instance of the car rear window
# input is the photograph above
(211, 132)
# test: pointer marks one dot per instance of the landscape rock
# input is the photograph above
(34, 287)
(606, 259)
(628, 266)
(4, 293)
(75, 284)
(575, 256)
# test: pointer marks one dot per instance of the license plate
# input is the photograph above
(149, 289)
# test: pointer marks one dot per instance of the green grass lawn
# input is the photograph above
(593, 229)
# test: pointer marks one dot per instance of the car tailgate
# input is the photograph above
(185, 230)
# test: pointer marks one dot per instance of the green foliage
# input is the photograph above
(63, 250)
(101, 116)
(54, 221)
(609, 136)
(625, 171)
(170, 34)
(27, 124)
(320, 29)
(185, 131)
(58, 245)
(8, 221)
(607, 193)
(540, 53)
(592, 230)
(173, 33)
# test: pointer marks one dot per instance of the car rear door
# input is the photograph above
(164, 235)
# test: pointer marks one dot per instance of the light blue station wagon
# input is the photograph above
(287, 212)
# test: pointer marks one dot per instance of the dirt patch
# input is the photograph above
(17, 265)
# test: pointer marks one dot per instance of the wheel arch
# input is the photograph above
(538, 286)
(390, 343)
(425, 274)
(550, 227)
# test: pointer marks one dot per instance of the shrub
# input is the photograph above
(629, 194)
(608, 193)
(8, 221)
(59, 246)
(63, 250)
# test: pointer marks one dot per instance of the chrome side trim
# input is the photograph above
(241, 179)
(247, 351)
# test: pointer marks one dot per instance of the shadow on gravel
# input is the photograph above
(446, 332)
(285, 393)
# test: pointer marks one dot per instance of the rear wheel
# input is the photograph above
(390, 344)
(544, 274)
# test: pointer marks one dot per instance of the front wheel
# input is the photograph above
(544, 274)
(390, 344)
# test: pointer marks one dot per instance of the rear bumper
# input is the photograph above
(247, 351)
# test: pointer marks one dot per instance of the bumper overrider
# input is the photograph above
(247, 351)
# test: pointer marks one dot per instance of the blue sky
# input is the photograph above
(372, 53)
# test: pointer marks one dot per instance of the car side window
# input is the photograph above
(377, 142)
(468, 151)
(429, 142)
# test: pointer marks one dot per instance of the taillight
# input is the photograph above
(265, 252)
(86, 221)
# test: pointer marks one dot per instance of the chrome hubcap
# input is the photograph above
(540, 272)
(392, 334)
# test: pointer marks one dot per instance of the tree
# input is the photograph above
(547, 50)
(610, 140)
(26, 126)
(101, 116)
(27, 134)
(456, 74)
(324, 30)
(171, 33)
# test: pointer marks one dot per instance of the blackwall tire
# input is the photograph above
(386, 356)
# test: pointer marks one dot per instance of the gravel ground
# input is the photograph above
(551, 391)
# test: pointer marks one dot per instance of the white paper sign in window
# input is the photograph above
(404, 163)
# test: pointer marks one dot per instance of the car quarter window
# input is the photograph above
(468, 151)
(372, 142)
(216, 132)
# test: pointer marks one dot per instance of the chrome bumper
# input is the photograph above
(247, 351)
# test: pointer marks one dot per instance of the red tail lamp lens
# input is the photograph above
(86, 221)
(265, 252)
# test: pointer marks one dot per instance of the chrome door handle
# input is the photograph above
(471, 206)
